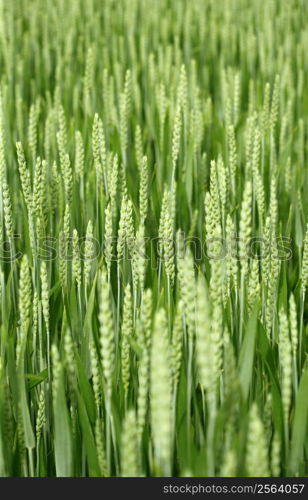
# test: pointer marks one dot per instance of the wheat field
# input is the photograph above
(153, 238)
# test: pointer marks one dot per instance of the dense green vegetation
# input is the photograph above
(154, 254)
